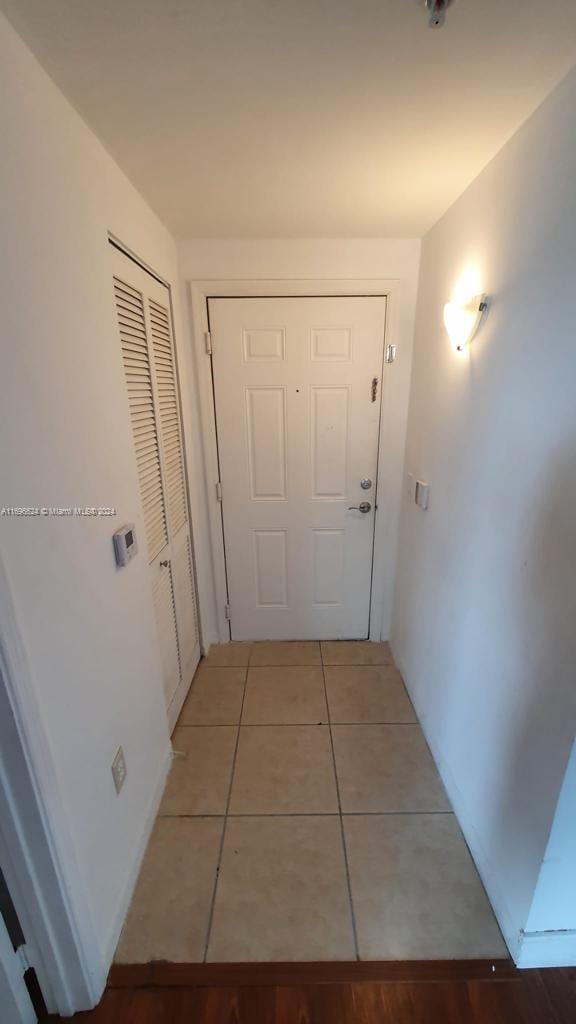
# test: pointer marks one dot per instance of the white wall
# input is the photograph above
(484, 625)
(87, 628)
(554, 904)
(287, 260)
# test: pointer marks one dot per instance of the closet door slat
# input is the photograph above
(169, 415)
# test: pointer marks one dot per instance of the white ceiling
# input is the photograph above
(300, 118)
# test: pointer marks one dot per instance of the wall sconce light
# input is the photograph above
(461, 320)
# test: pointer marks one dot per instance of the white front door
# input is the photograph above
(297, 391)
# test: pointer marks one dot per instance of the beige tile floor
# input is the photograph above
(306, 821)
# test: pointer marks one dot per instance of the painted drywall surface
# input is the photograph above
(554, 904)
(485, 601)
(316, 259)
(88, 628)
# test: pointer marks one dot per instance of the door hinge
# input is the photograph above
(24, 958)
(208, 342)
(391, 354)
(227, 611)
(218, 491)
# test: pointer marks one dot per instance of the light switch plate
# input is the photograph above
(119, 769)
(422, 494)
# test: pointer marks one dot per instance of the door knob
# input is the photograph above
(364, 507)
(165, 563)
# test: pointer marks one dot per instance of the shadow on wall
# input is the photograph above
(545, 613)
(517, 614)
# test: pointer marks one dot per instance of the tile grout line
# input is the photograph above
(319, 814)
(340, 818)
(300, 664)
(223, 836)
(280, 725)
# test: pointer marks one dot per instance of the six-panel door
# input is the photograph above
(297, 389)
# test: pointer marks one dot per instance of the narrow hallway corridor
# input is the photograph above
(306, 821)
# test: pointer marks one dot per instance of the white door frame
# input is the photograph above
(14, 997)
(36, 848)
(383, 562)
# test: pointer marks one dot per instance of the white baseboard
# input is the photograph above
(547, 949)
(140, 850)
(484, 865)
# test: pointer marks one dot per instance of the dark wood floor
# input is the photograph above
(458, 992)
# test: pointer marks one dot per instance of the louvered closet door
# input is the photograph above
(172, 461)
(143, 312)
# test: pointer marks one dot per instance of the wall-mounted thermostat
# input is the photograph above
(125, 546)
